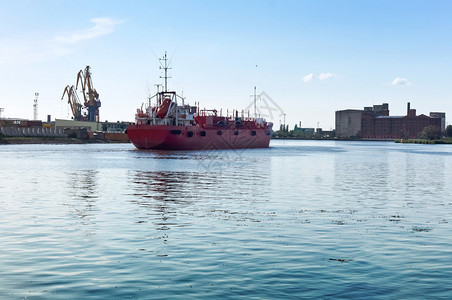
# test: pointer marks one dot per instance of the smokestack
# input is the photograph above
(408, 108)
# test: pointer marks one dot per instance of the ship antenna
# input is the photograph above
(165, 67)
(158, 91)
(255, 114)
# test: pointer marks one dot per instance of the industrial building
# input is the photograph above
(376, 123)
(348, 122)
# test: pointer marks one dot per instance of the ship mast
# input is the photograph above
(165, 67)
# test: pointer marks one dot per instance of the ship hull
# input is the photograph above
(166, 137)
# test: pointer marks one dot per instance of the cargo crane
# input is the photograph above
(74, 102)
(90, 95)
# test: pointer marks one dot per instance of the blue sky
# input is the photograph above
(311, 58)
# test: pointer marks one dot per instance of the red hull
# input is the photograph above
(166, 137)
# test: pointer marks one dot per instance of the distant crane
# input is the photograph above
(90, 95)
(74, 102)
(35, 107)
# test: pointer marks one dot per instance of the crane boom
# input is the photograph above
(74, 102)
(90, 95)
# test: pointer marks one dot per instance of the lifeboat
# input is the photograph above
(140, 116)
(163, 108)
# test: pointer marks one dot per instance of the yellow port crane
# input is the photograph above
(90, 95)
(74, 102)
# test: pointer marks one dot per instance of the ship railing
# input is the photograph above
(208, 112)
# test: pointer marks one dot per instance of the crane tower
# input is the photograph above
(90, 95)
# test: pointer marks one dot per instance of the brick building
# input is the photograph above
(375, 123)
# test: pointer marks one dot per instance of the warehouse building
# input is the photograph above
(376, 123)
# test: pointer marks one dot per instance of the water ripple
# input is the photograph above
(303, 219)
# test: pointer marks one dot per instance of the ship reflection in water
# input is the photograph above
(162, 195)
(168, 195)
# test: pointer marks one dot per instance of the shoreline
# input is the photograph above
(444, 141)
(54, 140)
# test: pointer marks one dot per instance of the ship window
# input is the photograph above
(253, 133)
(176, 132)
(236, 132)
(220, 132)
(190, 133)
(203, 133)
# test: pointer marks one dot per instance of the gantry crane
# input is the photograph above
(90, 95)
(74, 102)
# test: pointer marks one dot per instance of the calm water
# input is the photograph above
(299, 220)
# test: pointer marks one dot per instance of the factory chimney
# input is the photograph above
(408, 108)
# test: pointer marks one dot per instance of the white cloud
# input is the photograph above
(26, 49)
(308, 77)
(31, 49)
(400, 81)
(324, 76)
(102, 26)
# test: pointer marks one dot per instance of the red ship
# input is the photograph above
(170, 124)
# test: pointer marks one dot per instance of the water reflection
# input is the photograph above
(162, 194)
(354, 220)
(82, 186)
(364, 177)
(163, 186)
(389, 174)
(169, 196)
(161, 154)
(393, 184)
